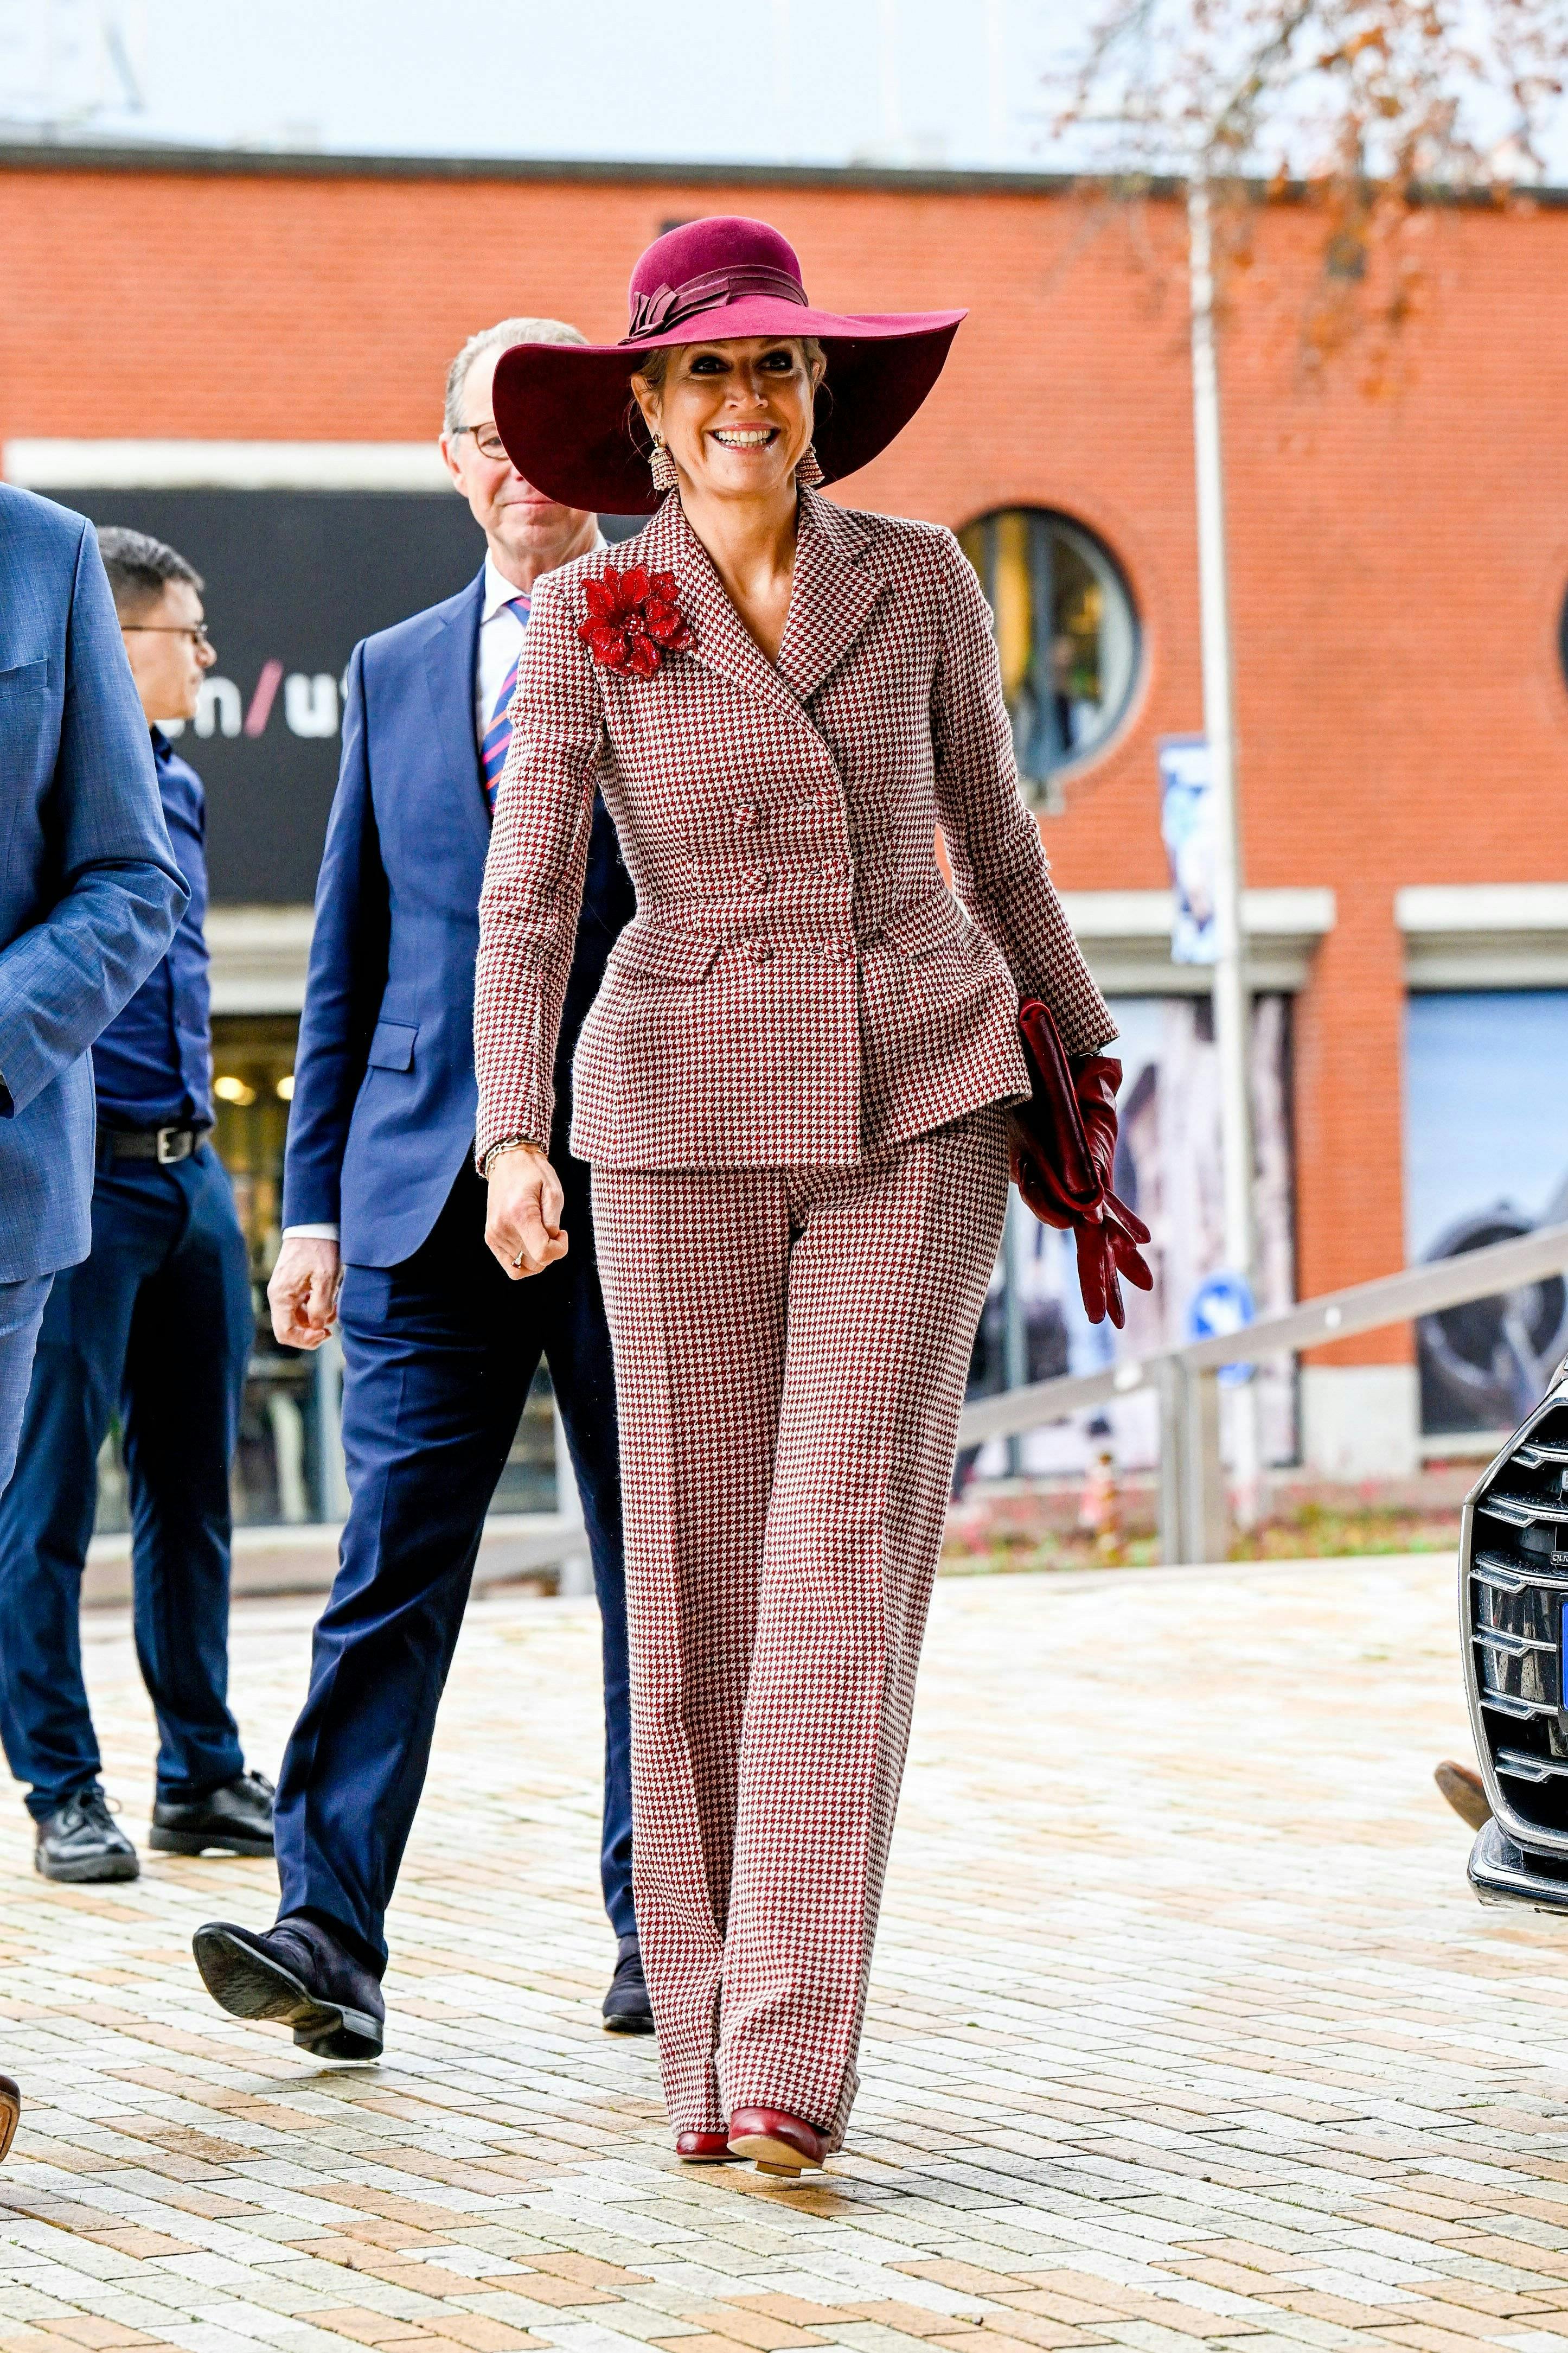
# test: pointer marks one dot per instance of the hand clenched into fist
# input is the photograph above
(303, 1292)
(523, 1225)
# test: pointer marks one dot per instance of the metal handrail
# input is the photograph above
(1337, 1315)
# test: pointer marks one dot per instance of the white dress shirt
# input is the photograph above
(501, 634)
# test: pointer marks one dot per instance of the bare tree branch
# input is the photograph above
(1372, 110)
(1397, 91)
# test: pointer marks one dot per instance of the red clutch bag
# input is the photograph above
(1063, 1150)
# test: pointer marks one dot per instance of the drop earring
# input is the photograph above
(661, 465)
(808, 469)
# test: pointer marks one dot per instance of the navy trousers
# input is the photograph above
(438, 1354)
(156, 1323)
(21, 1313)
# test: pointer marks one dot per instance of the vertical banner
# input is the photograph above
(1187, 830)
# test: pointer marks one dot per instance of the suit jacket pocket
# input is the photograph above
(639, 1031)
(685, 958)
(24, 678)
(392, 1048)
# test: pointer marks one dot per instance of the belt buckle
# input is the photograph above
(168, 1137)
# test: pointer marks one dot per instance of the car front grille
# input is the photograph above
(1513, 1582)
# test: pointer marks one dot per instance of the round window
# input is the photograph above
(1066, 630)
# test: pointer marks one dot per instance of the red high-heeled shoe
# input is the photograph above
(776, 2143)
(704, 2148)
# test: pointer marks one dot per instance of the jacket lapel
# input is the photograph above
(721, 641)
(832, 599)
(451, 652)
(835, 591)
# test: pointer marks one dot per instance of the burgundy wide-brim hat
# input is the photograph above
(561, 410)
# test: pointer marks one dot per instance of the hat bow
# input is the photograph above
(667, 306)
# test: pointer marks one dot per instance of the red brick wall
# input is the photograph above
(1399, 556)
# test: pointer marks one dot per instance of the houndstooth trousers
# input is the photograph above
(791, 1351)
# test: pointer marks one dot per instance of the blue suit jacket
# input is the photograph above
(384, 1095)
(89, 892)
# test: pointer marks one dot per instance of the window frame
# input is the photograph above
(1046, 794)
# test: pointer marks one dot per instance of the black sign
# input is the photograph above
(294, 579)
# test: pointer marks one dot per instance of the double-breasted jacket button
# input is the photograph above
(755, 951)
(755, 883)
(747, 815)
(837, 871)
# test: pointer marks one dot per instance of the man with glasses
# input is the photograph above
(380, 1195)
(154, 1325)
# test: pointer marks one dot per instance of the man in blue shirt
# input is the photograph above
(156, 1324)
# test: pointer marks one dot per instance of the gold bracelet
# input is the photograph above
(509, 1144)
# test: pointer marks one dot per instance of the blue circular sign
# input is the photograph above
(1221, 1305)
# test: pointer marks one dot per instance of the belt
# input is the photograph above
(163, 1144)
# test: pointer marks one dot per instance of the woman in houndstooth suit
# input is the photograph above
(792, 1093)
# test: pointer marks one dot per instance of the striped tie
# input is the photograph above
(497, 734)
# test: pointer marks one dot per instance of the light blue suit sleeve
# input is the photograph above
(117, 892)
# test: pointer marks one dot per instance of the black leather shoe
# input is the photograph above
(10, 2109)
(628, 2010)
(299, 1974)
(234, 1820)
(82, 1841)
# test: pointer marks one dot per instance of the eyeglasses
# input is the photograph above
(196, 630)
(487, 440)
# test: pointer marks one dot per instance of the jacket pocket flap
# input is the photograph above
(25, 674)
(392, 1048)
(925, 924)
(660, 955)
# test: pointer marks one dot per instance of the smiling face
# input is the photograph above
(735, 416)
(528, 532)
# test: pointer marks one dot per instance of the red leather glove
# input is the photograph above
(1108, 1244)
(1063, 1151)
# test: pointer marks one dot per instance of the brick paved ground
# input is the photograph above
(1184, 2027)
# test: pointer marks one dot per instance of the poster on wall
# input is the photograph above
(1168, 1168)
(1486, 1158)
(1187, 830)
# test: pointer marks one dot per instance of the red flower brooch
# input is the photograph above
(633, 620)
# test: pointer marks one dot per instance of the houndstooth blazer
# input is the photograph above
(800, 987)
